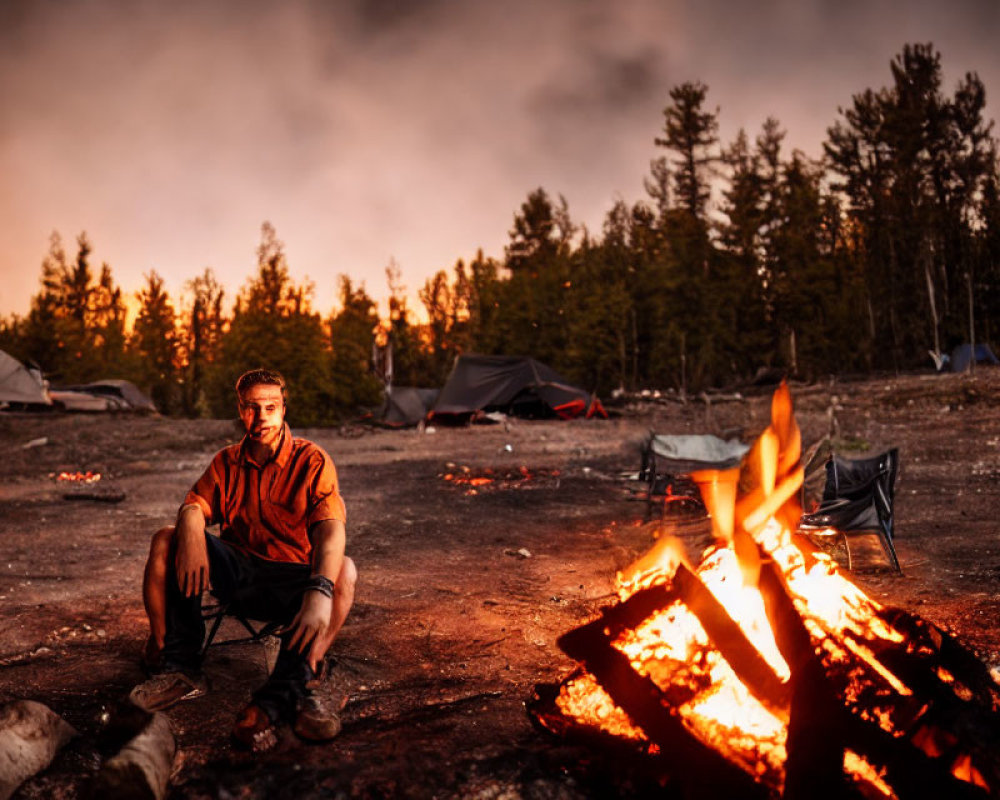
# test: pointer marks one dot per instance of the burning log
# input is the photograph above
(753, 669)
(30, 736)
(766, 658)
(644, 702)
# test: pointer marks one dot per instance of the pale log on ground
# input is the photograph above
(141, 769)
(30, 736)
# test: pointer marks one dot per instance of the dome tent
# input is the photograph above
(514, 385)
(20, 386)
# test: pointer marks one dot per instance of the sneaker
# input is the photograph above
(321, 675)
(164, 690)
(316, 720)
(254, 730)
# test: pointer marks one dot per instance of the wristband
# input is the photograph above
(321, 584)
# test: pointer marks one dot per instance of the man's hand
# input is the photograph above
(309, 624)
(191, 559)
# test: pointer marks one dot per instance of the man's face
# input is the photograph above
(262, 410)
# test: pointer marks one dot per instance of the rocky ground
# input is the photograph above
(463, 589)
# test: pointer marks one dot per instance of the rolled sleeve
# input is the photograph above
(192, 499)
(325, 500)
(207, 492)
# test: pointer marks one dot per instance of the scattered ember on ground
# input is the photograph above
(477, 480)
(77, 477)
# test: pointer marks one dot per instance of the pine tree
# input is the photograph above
(411, 362)
(690, 135)
(75, 329)
(200, 337)
(352, 330)
(535, 298)
(274, 326)
(153, 346)
(914, 165)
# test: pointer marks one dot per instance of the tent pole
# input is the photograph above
(972, 326)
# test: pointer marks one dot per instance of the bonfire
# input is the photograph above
(765, 671)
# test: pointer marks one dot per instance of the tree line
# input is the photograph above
(739, 257)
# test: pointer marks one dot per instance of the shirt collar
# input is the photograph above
(280, 457)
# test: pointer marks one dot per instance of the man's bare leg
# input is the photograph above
(343, 599)
(154, 591)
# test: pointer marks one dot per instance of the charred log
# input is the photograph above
(755, 673)
(927, 643)
(815, 745)
(848, 722)
(703, 770)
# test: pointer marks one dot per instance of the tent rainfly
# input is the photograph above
(512, 385)
(19, 385)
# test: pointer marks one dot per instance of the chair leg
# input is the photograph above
(890, 550)
(254, 633)
(212, 631)
(847, 548)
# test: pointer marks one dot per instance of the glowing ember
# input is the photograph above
(79, 477)
(519, 478)
(733, 640)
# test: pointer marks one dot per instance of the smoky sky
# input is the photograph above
(410, 131)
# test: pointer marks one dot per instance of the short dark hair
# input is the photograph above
(258, 377)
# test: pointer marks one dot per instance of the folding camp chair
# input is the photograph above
(256, 630)
(668, 461)
(858, 499)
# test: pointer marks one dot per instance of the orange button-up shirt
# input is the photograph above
(267, 509)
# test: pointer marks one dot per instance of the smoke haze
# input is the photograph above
(410, 130)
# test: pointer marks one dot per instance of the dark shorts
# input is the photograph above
(266, 590)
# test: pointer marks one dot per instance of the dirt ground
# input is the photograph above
(463, 590)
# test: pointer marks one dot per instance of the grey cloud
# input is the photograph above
(366, 129)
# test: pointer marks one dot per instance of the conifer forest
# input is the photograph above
(736, 257)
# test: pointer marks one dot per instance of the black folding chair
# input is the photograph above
(256, 630)
(857, 500)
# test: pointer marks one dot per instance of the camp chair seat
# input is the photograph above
(256, 630)
(858, 500)
(668, 461)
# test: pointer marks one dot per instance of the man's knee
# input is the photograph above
(160, 544)
(348, 577)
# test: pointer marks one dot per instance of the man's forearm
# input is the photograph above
(329, 539)
(191, 558)
(190, 522)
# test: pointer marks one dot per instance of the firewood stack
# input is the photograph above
(764, 672)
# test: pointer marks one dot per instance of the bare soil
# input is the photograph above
(463, 589)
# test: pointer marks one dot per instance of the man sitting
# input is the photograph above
(281, 542)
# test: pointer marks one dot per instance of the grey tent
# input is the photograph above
(405, 406)
(512, 385)
(20, 386)
(123, 394)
